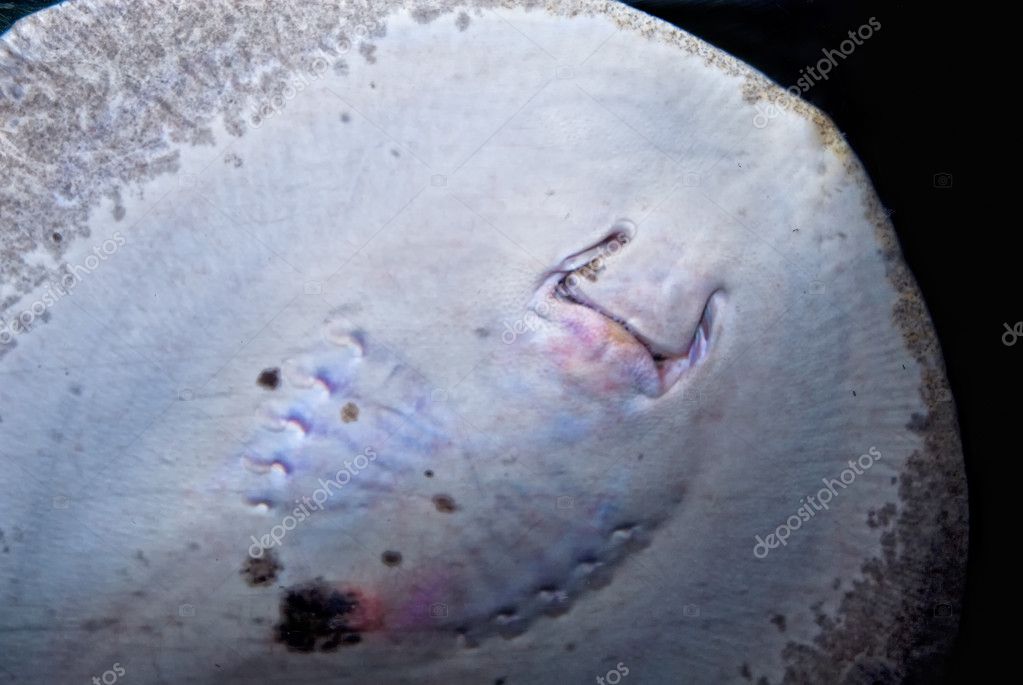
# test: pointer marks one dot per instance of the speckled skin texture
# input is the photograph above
(290, 392)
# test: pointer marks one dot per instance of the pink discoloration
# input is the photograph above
(598, 353)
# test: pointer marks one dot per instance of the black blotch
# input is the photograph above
(570, 647)
(445, 504)
(854, 393)
(481, 332)
(76, 390)
(428, 473)
(261, 571)
(498, 681)
(391, 558)
(395, 153)
(313, 616)
(345, 117)
(57, 237)
(779, 621)
(269, 378)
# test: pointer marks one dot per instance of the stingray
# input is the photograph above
(452, 342)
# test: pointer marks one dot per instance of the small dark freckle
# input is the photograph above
(395, 153)
(391, 558)
(570, 647)
(119, 213)
(76, 390)
(444, 504)
(57, 237)
(372, 84)
(854, 393)
(346, 117)
(499, 681)
(639, 457)
(482, 332)
(350, 412)
(428, 473)
(269, 378)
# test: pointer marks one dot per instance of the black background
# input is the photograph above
(916, 100)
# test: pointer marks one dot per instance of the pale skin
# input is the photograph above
(580, 497)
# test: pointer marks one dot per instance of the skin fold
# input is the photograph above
(488, 344)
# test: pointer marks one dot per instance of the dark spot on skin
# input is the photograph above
(779, 622)
(313, 615)
(269, 378)
(346, 117)
(142, 558)
(462, 22)
(482, 332)
(391, 558)
(745, 672)
(444, 504)
(119, 213)
(395, 153)
(428, 473)
(57, 237)
(76, 390)
(193, 546)
(570, 647)
(350, 412)
(917, 423)
(372, 84)
(639, 457)
(261, 571)
(499, 681)
(854, 393)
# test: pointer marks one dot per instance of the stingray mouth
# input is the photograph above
(654, 368)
